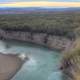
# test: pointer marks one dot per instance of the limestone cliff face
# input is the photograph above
(50, 41)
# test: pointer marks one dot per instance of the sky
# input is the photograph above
(40, 0)
(39, 3)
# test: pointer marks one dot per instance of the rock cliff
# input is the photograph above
(47, 40)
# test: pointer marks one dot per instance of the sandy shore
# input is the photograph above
(9, 65)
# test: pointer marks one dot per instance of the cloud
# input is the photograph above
(41, 4)
(39, 0)
(21, 0)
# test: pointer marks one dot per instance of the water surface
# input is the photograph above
(43, 63)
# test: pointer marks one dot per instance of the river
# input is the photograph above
(42, 65)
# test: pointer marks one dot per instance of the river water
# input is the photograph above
(43, 63)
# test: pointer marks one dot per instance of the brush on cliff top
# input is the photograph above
(71, 63)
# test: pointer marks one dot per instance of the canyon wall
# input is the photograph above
(47, 40)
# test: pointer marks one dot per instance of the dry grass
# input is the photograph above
(71, 62)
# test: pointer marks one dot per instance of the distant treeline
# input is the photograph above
(65, 24)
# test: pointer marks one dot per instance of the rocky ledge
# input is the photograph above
(51, 41)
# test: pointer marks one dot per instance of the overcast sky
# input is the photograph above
(40, 0)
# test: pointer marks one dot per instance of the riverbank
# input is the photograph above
(10, 64)
(51, 41)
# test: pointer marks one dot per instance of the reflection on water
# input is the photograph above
(43, 64)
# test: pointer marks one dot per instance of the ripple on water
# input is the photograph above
(56, 74)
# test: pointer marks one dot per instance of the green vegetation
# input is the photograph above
(59, 23)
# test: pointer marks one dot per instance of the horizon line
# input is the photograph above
(40, 4)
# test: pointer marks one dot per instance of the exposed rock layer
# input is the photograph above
(50, 41)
